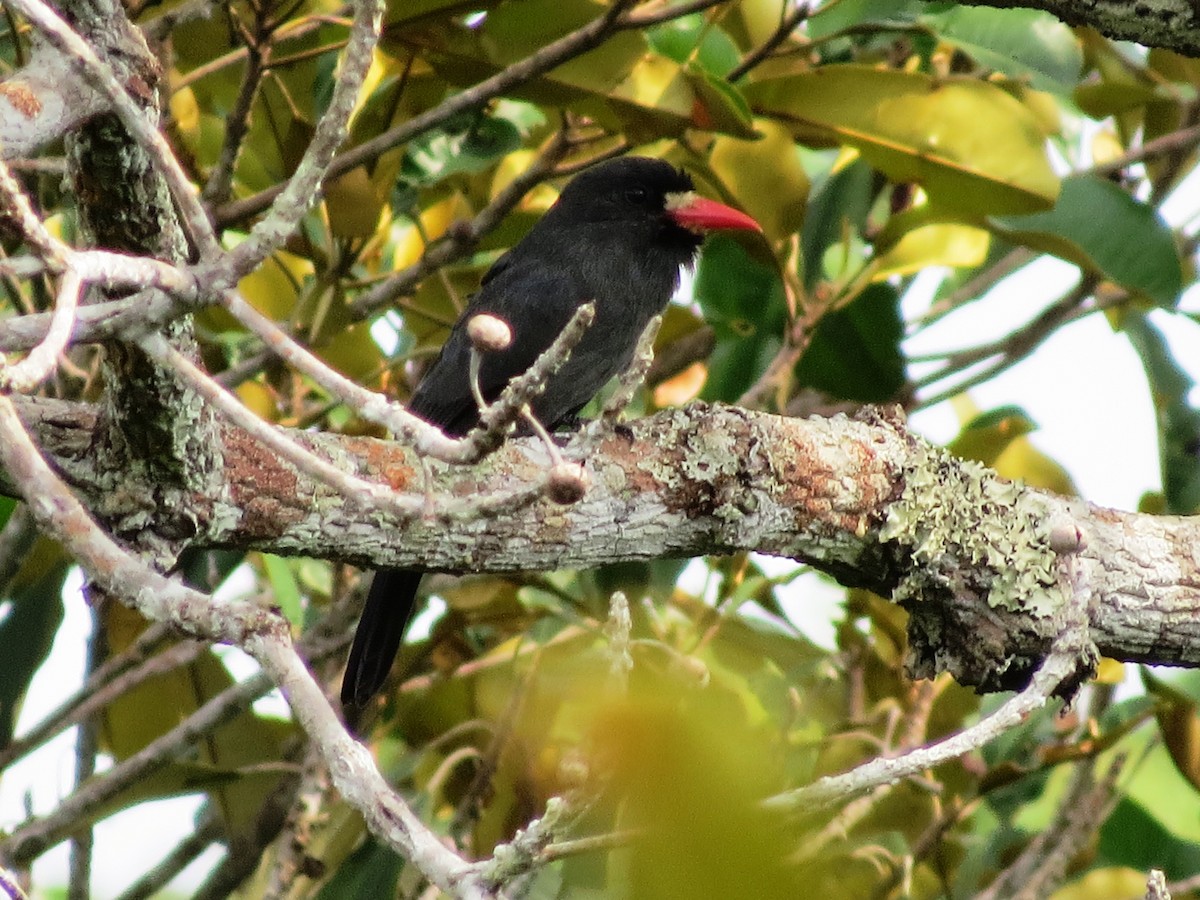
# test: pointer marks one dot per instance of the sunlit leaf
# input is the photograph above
(273, 288)
(158, 704)
(1114, 882)
(765, 177)
(835, 17)
(968, 143)
(285, 592)
(695, 38)
(949, 245)
(998, 439)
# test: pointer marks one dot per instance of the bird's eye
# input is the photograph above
(636, 194)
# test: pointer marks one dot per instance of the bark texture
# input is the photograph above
(976, 560)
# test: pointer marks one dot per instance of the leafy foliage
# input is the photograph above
(879, 144)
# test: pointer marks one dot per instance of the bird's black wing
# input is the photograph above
(536, 300)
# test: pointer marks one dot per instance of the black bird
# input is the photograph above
(617, 236)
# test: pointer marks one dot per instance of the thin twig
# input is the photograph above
(789, 23)
(237, 122)
(426, 440)
(86, 746)
(543, 60)
(83, 702)
(460, 240)
(101, 76)
(303, 188)
(209, 829)
(1010, 349)
(1059, 665)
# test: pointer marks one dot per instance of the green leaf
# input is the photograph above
(989, 434)
(855, 353)
(370, 871)
(1178, 420)
(1098, 226)
(766, 178)
(932, 243)
(841, 204)
(621, 83)
(469, 143)
(1022, 43)
(1131, 836)
(838, 17)
(968, 143)
(695, 38)
(743, 300)
(284, 588)
(26, 633)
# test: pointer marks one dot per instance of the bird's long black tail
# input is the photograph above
(390, 603)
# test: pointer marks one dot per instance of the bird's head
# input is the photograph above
(638, 192)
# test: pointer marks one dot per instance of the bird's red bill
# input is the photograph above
(702, 214)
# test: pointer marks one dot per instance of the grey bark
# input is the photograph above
(971, 556)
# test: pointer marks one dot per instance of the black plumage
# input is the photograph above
(617, 236)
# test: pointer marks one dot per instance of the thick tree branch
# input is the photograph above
(970, 555)
(1171, 24)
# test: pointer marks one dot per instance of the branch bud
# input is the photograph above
(568, 482)
(489, 333)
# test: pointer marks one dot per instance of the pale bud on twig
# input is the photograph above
(568, 483)
(489, 333)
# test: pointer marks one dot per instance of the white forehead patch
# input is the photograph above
(680, 199)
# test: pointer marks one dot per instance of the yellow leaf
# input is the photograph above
(272, 288)
(968, 143)
(1109, 671)
(185, 112)
(765, 177)
(153, 707)
(353, 352)
(621, 84)
(435, 220)
(683, 387)
(934, 245)
(256, 398)
(1022, 460)
(1111, 883)
(354, 204)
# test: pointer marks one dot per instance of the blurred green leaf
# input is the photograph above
(839, 207)
(855, 352)
(1022, 43)
(845, 14)
(1098, 226)
(743, 301)
(285, 592)
(370, 871)
(472, 143)
(695, 38)
(1132, 836)
(1178, 420)
(27, 631)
